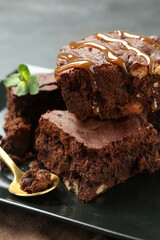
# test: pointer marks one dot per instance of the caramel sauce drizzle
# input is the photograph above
(75, 62)
(110, 55)
(123, 34)
(128, 46)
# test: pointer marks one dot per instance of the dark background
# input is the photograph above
(33, 31)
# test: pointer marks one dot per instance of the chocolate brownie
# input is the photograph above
(32, 106)
(35, 180)
(24, 113)
(110, 75)
(92, 156)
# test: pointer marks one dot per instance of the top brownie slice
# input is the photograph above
(110, 75)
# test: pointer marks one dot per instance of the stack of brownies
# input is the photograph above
(110, 84)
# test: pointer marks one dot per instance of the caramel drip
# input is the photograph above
(76, 62)
(123, 34)
(128, 46)
(73, 62)
(67, 56)
(110, 55)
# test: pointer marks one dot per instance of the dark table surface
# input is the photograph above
(33, 31)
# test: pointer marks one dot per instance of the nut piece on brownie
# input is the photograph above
(92, 156)
(110, 75)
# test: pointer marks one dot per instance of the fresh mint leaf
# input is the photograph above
(24, 72)
(12, 81)
(24, 81)
(22, 89)
(33, 85)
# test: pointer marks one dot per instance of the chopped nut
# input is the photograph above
(157, 70)
(101, 188)
(66, 183)
(75, 188)
(154, 105)
(155, 84)
(138, 95)
(133, 108)
(139, 72)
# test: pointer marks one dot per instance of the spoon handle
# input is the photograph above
(9, 162)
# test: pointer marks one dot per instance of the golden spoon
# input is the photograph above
(14, 187)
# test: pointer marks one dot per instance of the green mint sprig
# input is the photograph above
(24, 81)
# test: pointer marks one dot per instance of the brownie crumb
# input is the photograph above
(35, 180)
(34, 164)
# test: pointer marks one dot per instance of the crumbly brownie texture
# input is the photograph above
(23, 115)
(92, 156)
(35, 180)
(117, 92)
(18, 139)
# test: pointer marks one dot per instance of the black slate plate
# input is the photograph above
(128, 211)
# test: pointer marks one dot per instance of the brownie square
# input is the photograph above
(92, 156)
(32, 106)
(23, 114)
(112, 78)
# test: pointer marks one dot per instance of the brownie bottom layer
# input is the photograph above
(87, 172)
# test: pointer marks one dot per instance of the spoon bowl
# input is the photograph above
(14, 187)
